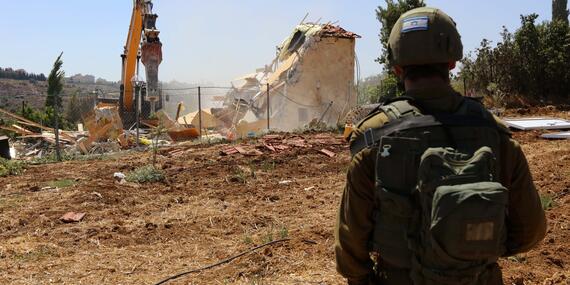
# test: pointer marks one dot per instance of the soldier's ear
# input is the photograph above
(452, 65)
(398, 70)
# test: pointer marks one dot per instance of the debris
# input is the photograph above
(145, 141)
(309, 241)
(240, 149)
(269, 147)
(245, 128)
(248, 152)
(175, 131)
(309, 188)
(327, 152)
(329, 30)
(24, 121)
(281, 147)
(193, 119)
(285, 182)
(119, 176)
(183, 134)
(103, 124)
(178, 152)
(105, 147)
(72, 217)
(538, 123)
(303, 79)
(229, 150)
(297, 141)
(272, 137)
(563, 135)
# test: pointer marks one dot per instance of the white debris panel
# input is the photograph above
(539, 123)
(564, 135)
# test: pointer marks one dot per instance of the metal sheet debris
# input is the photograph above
(563, 135)
(537, 123)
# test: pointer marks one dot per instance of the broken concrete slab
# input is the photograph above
(241, 150)
(537, 123)
(563, 135)
(72, 217)
(327, 152)
(193, 118)
(229, 151)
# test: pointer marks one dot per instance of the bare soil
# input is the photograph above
(213, 206)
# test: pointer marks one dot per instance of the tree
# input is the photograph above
(20, 74)
(55, 84)
(73, 114)
(527, 39)
(53, 100)
(560, 11)
(388, 17)
(532, 62)
(369, 89)
(555, 52)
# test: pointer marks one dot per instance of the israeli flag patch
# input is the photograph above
(415, 24)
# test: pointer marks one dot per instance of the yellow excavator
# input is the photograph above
(143, 44)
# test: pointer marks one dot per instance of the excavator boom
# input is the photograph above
(142, 28)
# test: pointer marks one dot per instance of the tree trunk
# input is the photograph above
(560, 11)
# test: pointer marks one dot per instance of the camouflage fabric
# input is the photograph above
(525, 219)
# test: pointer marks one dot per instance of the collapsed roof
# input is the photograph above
(308, 30)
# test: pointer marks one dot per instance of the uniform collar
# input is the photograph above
(441, 98)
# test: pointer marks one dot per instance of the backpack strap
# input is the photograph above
(402, 106)
(372, 136)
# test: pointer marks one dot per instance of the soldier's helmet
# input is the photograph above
(424, 36)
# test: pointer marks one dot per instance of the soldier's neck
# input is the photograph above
(423, 83)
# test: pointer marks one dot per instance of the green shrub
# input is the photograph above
(10, 167)
(61, 183)
(546, 201)
(145, 174)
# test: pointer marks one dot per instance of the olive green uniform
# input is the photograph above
(525, 219)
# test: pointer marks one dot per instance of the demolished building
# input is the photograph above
(312, 79)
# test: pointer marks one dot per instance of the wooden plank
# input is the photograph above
(11, 129)
(62, 133)
(23, 130)
(25, 121)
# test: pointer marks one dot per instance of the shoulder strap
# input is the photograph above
(372, 136)
(400, 107)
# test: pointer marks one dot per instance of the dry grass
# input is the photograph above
(142, 233)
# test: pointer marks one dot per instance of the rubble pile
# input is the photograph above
(325, 144)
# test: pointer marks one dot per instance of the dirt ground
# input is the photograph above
(213, 206)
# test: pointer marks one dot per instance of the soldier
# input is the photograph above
(436, 190)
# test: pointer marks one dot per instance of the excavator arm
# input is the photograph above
(142, 27)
